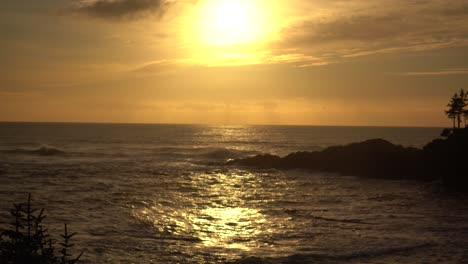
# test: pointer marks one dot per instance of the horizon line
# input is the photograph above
(207, 124)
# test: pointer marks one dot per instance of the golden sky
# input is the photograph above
(297, 62)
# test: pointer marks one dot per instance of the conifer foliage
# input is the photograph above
(27, 240)
(456, 108)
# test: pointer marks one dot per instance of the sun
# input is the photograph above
(229, 32)
(230, 22)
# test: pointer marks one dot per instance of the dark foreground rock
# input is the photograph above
(447, 159)
(444, 159)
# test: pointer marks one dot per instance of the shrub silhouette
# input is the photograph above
(28, 242)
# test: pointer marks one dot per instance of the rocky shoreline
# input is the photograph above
(442, 159)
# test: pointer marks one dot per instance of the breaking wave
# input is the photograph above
(41, 151)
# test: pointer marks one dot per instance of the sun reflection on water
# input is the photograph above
(210, 209)
(228, 227)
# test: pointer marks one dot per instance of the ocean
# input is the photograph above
(145, 193)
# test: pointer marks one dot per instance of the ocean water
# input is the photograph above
(161, 194)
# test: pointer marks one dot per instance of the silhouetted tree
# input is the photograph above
(28, 242)
(463, 103)
(451, 111)
(452, 115)
(465, 114)
(457, 108)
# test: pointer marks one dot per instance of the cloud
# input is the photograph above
(357, 28)
(120, 9)
(298, 59)
(163, 67)
(353, 28)
(458, 71)
(320, 34)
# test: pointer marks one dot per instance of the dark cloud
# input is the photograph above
(453, 10)
(362, 27)
(120, 9)
(417, 25)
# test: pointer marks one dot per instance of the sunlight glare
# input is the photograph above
(230, 32)
(230, 22)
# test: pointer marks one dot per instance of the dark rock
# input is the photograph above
(448, 159)
(444, 159)
(375, 157)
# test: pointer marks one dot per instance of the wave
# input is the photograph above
(41, 151)
(212, 153)
(193, 155)
(225, 154)
(369, 253)
(321, 258)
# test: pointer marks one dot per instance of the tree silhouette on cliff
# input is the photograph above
(465, 115)
(456, 108)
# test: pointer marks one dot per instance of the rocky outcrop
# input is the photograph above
(444, 159)
(368, 158)
(447, 159)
